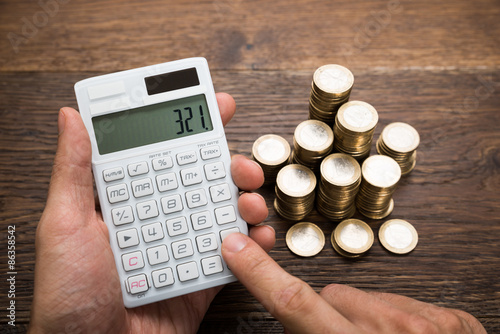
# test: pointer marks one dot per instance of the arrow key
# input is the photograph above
(127, 238)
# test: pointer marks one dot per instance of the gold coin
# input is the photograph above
(314, 136)
(271, 150)
(305, 239)
(400, 137)
(352, 237)
(340, 169)
(296, 180)
(333, 79)
(357, 116)
(381, 171)
(398, 236)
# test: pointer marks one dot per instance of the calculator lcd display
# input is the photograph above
(152, 124)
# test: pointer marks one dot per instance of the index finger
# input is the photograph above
(292, 301)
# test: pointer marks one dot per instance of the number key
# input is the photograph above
(152, 232)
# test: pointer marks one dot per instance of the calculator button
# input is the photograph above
(196, 198)
(183, 248)
(162, 277)
(225, 233)
(148, 209)
(211, 265)
(142, 187)
(190, 176)
(162, 163)
(220, 193)
(210, 152)
(138, 168)
(187, 271)
(137, 284)
(177, 226)
(166, 182)
(225, 215)
(152, 232)
(201, 220)
(132, 261)
(123, 215)
(113, 174)
(118, 193)
(127, 238)
(158, 254)
(186, 158)
(214, 171)
(206, 243)
(171, 204)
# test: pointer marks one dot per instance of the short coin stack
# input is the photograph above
(295, 186)
(354, 127)
(400, 141)
(312, 141)
(340, 179)
(352, 238)
(331, 87)
(271, 152)
(305, 239)
(398, 236)
(380, 175)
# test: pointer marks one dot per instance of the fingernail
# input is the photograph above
(61, 121)
(235, 242)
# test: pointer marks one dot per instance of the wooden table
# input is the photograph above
(434, 65)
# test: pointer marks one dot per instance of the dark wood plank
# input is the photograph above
(301, 34)
(451, 197)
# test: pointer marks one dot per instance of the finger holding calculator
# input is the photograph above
(77, 286)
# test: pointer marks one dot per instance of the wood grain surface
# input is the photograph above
(433, 65)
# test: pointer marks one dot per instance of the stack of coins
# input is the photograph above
(352, 238)
(312, 141)
(331, 87)
(271, 152)
(354, 127)
(380, 175)
(339, 184)
(400, 141)
(295, 186)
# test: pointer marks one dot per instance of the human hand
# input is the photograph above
(338, 308)
(77, 289)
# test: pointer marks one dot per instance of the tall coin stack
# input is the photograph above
(339, 184)
(380, 175)
(354, 127)
(312, 141)
(330, 88)
(400, 141)
(271, 152)
(295, 186)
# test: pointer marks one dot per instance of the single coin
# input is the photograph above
(333, 79)
(314, 135)
(340, 169)
(381, 171)
(271, 149)
(357, 116)
(398, 236)
(400, 137)
(296, 180)
(305, 239)
(353, 236)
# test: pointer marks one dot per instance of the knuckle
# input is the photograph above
(421, 325)
(294, 299)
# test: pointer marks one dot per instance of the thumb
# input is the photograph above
(292, 301)
(71, 186)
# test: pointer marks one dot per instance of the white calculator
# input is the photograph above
(161, 166)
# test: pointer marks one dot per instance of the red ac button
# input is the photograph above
(137, 284)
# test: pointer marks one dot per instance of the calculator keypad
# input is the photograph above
(166, 211)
